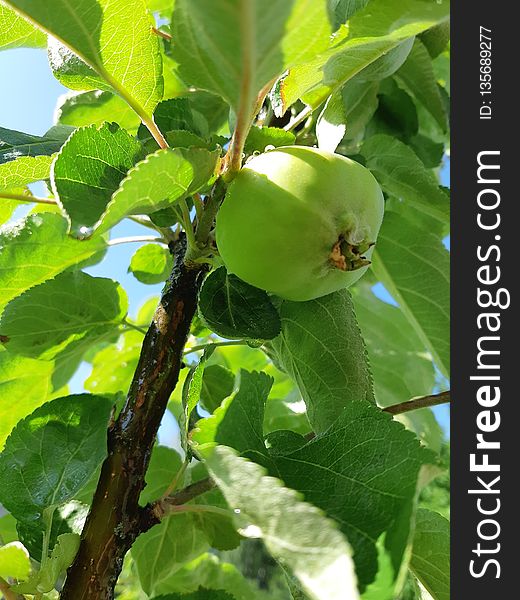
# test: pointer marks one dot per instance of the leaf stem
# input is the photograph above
(416, 403)
(216, 344)
(8, 593)
(161, 507)
(136, 238)
(23, 198)
(299, 118)
(163, 34)
(134, 326)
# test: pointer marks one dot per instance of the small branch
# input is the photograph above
(416, 403)
(134, 326)
(161, 507)
(163, 34)
(8, 593)
(23, 198)
(136, 238)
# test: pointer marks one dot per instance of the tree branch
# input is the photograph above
(416, 403)
(156, 510)
(115, 518)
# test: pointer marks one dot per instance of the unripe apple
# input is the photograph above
(300, 222)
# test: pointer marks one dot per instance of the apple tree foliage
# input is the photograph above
(288, 479)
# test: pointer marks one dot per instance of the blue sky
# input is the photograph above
(27, 104)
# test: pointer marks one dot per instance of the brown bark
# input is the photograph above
(116, 519)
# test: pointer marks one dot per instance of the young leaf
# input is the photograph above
(24, 170)
(14, 561)
(430, 560)
(74, 306)
(61, 558)
(403, 175)
(16, 32)
(151, 264)
(413, 265)
(321, 348)
(14, 144)
(89, 169)
(113, 37)
(52, 453)
(372, 32)
(331, 125)
(25, 384)
(234, 309)
(234, 49)
(95, 108)
(294, 532)
(160, 180)
(418, 76)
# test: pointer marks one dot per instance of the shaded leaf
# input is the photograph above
(261, 137)
(430, 560)
(321, 348)
(235, 49)
(74, 306)
(234, 309)
(15, 144)
(52, 453)
(217, 383)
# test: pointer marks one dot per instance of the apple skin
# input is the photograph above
(286, 211)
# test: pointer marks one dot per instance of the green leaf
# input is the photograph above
(61, 558)
(332, 123)
(217, 383)
(387, 65)
(151, 264)
(294, 532)
(239, 421)
(8, 531)
(165, 548)
(341, 10)
(24, 170)
(209, 572)
(261, 137)
(372, 464)
(401, 368)
(52, 453)
(418, 76)
(430, 560)
(429, 151)
(74, 306)
(234, 309)
(159, 181)
(321, 348)
(403, 175)
(113, 37)
(36, 249)
(360, 103)
(436, 39)
(25, 384)
(413, 265)
(162, 471)
(371, 33)
(94, 108)
(89, 169)
(16, 32)
(68, 518)
(14, 561)
(200, 594)
(235, 48)
(15, 144)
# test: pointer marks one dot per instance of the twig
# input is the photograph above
(23, 198)
(160, 507)
(162, 34)
(215, 344)
(416, 403)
